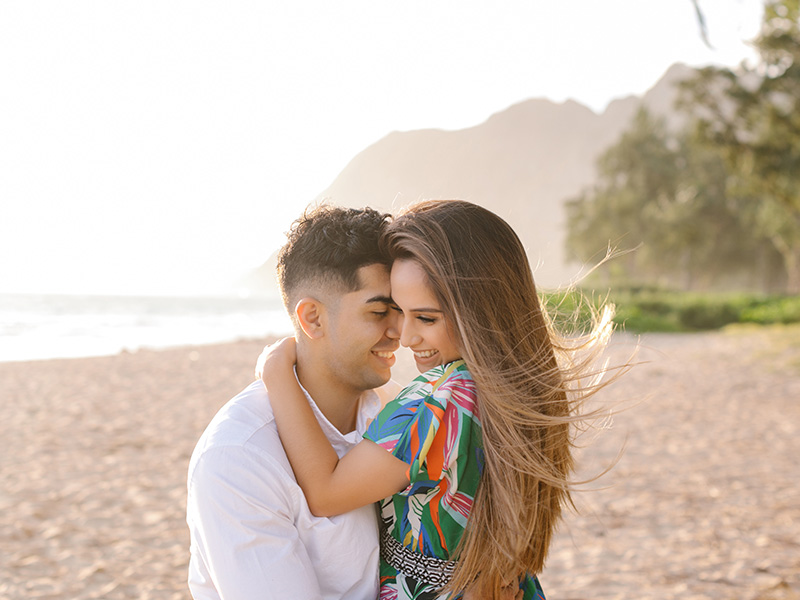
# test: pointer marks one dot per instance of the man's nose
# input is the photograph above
(395, 325)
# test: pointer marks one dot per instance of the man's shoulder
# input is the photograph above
(241, 417)
(244, 427)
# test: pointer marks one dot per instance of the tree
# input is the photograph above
(668, 197)
(752, 118)
(636, 175)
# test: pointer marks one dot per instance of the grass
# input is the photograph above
(648, 309)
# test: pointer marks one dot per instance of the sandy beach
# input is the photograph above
(704, 502)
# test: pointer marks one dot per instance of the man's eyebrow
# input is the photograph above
(381, 299)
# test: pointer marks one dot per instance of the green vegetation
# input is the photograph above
(715, 206)
(696, 212)
(648, 309)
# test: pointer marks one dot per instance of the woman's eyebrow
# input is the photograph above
(427, 310)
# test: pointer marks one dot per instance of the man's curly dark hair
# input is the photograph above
(328, 244)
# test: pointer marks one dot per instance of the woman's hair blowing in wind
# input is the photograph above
(530, 381)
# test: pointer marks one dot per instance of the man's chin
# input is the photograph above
(376, 380)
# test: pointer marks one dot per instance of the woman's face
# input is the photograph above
(423, 327)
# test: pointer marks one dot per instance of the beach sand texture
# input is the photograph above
(703, 503)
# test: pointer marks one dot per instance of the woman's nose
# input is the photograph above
(409, 337)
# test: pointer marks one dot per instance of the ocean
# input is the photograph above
(60, 326)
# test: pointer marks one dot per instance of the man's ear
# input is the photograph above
(310, 314)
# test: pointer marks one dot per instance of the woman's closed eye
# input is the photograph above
(426, 320)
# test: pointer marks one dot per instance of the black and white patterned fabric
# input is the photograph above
(427, 569)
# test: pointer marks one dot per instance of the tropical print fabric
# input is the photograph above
(433, 425)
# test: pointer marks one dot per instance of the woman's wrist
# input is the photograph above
(279, 377)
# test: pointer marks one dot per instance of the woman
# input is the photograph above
(480, 446)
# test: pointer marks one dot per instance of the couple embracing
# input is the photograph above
(322, 480)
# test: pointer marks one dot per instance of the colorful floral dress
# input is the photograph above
(432, 425)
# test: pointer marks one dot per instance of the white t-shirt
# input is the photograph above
(252, 534)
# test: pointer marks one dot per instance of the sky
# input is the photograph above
(163, 147)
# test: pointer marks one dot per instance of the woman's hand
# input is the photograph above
(512, 592)
(276, 359)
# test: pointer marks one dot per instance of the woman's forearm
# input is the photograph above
(311, 455)
(367, 473)
(331, 486)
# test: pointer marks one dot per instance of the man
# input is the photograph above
(253, 536)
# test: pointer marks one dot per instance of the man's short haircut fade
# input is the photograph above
(329, 244)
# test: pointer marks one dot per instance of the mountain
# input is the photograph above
(261, 281)
(522, 163)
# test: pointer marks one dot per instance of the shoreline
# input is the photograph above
(126, 350)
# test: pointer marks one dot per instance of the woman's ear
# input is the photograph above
(310, 314)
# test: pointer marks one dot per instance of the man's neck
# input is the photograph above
(338, 404)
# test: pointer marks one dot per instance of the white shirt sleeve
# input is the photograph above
(243, 528)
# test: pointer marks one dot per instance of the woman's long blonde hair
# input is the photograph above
(530, 385)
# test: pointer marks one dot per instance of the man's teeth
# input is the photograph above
(385, 354)
(425, 353)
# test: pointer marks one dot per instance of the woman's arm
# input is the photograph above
(367, 473)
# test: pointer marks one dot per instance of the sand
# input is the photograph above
(703, 503)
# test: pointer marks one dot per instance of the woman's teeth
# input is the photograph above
(425, 353)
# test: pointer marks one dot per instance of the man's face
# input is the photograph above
(362, 332)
